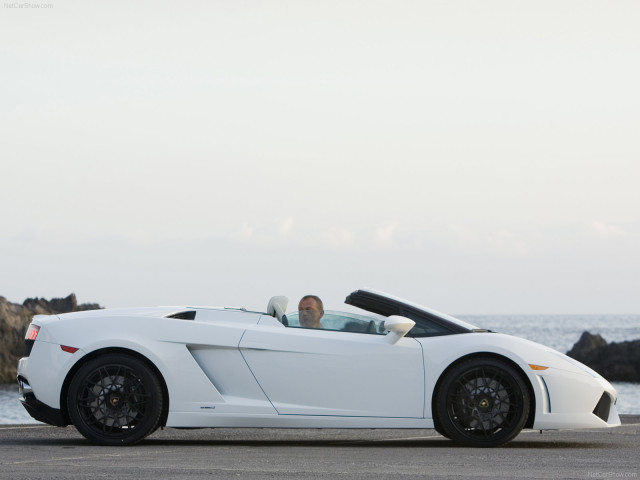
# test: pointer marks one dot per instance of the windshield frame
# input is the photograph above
(431, 322)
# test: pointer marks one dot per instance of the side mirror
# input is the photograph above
(398, 327)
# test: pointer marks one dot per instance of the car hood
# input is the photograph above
(524, 352)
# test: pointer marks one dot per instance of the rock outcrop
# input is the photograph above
(617, 362)
(14, 320)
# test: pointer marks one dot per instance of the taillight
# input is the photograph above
(30, 339)
(32, 332)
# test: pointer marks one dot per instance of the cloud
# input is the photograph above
(338, 237)
(264, 233)
(384, 236)
(476, 240)
(245, 232)
(508, 241)
(286, 227)
(605, 230)
(464, 235)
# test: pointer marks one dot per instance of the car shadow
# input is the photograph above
(326, 443)
(429, 443)
(69, 438)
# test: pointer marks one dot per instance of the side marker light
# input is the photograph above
(68, 349)
(537, 367)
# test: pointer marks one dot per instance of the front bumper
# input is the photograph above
(571, 400)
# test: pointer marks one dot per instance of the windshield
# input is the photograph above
(345, 322)
(428, 322)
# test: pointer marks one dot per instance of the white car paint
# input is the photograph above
(230, 367)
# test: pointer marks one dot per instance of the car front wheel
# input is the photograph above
(115, 399)
(482, 402)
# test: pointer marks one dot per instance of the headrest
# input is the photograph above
(277, 306)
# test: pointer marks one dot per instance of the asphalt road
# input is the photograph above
(39, 452)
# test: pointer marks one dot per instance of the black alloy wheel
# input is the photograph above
(482, 402)
(115, 399)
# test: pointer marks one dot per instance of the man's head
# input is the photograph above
(310, 310)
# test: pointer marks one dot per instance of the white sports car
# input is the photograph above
(118, 374)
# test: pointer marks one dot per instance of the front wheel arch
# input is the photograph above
(64, 391)
(532, 397)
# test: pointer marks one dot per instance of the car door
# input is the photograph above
(321, 372)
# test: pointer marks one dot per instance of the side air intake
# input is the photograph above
(186, 315)
(603, 407)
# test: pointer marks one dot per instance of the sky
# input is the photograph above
(478, 157)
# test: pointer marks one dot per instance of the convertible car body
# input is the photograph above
(118, 374)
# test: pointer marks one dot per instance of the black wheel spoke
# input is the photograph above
(115, 400)
(482, 403)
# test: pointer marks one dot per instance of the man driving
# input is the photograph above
(310, 310)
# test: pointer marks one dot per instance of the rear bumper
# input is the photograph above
(42, 412)
(38, 410)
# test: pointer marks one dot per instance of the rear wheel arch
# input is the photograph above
(64, 392)
(480, 355)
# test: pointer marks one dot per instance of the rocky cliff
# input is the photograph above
(617, 362)
(14, 320)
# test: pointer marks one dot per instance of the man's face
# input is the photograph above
(310, 313)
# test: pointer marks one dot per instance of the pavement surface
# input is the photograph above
(39, 452)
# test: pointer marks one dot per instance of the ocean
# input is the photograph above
(560, 332)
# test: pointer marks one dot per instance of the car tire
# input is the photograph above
(438, 428)
(115, 399)
(482, 402)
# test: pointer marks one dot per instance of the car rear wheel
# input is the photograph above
(482, 402)
(115, 399)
